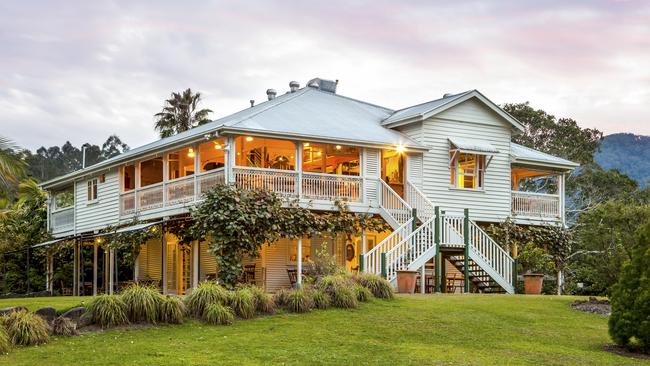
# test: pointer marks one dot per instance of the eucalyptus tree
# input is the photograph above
(181, 113)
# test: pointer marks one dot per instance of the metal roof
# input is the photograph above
(523, 154)
(308, 113)
(421, 109)
(473, 145)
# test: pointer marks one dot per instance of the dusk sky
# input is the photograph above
(82, 70)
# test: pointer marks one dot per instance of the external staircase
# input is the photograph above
(423, 232)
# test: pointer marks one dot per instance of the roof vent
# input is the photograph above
(252, 102)
(293, 86)
(447, 95)
(270, 93)
(323, 84)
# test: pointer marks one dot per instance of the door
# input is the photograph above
(179, 266)
(392, 170)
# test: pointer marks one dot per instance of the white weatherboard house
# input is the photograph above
(419, 168)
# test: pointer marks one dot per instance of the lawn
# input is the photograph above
(418, 330)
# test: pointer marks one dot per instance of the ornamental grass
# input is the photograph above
(142, 303)
(243, 303)
(218, 314)
(171, 310)
(281, 297)
(379, 286)
(299, 301)
(64, 327)
(5, 341)
(108, 311)
(25, 328)
(321, 299)
(204, 295)
(362, 294)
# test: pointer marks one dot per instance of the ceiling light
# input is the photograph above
(338, 147)
(306, 144)
(217, 146)
(190, 152)
(249, 138)
(400, 148)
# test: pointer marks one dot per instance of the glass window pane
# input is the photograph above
(330, 159)
(212, 155)
(151, 172)
(260, 152)
(181, 163)
(128, 178)
(63, 199)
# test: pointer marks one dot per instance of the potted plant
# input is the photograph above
(406, 281)
(535, 262)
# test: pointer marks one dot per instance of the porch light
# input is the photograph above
(306, 144)
(98, 240)
(190, 153)
(249, 138)
(217, 146)
(338, 147)
(400, 148)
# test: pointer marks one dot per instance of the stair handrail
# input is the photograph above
(418, 200)
(408, 250)
(372, 258)
(491, 252)
(393, 204)
(452, 229)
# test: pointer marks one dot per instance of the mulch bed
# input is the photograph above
(593, 306)
(622, 351)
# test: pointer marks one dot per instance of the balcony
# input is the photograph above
(287, 183)
(536, 205)
(62, 219)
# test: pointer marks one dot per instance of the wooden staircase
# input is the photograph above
(480, 281)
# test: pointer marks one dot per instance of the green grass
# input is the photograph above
(35, 303)
(417, 330)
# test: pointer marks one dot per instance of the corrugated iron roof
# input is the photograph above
(523, 154)
(473, 145)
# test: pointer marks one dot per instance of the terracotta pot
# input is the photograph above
(533, 283)
(406, 281)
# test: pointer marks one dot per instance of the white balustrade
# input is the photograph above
(407, 253)
(451, 233)
(127, 203)
(318, 186)
(210, 179)
(372, 259)
(392, 203)
(180, 190)
(62, 219)
(282, 182)
(490, 256)
(536, 204)
(419, 201)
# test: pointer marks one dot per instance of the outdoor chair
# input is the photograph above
(249, 274)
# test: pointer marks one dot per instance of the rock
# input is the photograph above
(74, 314)
(12, 309)
(47, 313)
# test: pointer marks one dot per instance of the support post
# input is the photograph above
(443, 275)
(384, 271)
(195, 263)
(111, 271)
(436, 238)
(423, 278)
(514, 275)
(299, 274)
(362, 259)
(364, 250)
(466, 256)
(163, 242)
(49, 272)
(95, 269)
(75, 270)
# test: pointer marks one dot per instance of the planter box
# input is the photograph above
(406, 281)
(533, 283)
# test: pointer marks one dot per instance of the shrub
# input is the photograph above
(340, 290)
(628, 323)
(26, 329)
(299, 301)
(171, 310)
(281, 297)
(379, 286)
(218, 314)
(242, 303)
(263, 302)
(64, 327)
(362, 294)
(5, 342)
(108, 310)
(142, 303)
(321, 299)
(204, 295)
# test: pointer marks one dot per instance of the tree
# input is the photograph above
(113, 147)
(629, 324)
(12, 166)
(180, 114)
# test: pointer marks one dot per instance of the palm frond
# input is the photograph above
(12, 165)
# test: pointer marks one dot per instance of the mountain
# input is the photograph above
(628, 153)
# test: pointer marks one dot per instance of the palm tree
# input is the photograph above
(179, 114)
(11, 165)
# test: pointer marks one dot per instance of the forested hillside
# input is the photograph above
(628, 153)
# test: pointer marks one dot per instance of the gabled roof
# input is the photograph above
(308, 113)
(525, 155)
(426, 110)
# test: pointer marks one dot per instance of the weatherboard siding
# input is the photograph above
(468, 120)
(104, 211)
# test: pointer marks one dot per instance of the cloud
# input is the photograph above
(85, 70)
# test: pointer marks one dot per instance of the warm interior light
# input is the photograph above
(249, 138)
(319, 153)
(190, 152)
(306, 144)
(338, 147)
(217, 146)
(400, 148)
(98, 240)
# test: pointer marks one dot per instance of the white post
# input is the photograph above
(561, 178)
(195, 263)
(230, 160)
(299, 269)
(95, 269)
(50, 272)
(197, 170)
(298, 161)
(364, 242)
(75, 270)
(423, 278)
(111, 271)
(164, 262)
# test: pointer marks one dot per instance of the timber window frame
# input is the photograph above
(91, 191)
(467, 170)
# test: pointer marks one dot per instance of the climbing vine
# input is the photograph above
(128, 243)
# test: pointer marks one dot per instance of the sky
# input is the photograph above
(80, 71)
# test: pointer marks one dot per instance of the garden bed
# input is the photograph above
(593, 306)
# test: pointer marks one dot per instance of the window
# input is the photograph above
(330, 159)
(467, 170)
(212, 155)
(306, 251)
(151, 172)
(92, 190)
(63, 199)
(260, 152)
(128, 178)
(180, 163)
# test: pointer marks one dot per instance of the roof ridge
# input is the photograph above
(451, 97)
(291, 96)
(357, 100)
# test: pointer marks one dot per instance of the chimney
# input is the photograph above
(252, 102)
(447, 95)
(293, 86)
(270, 93)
